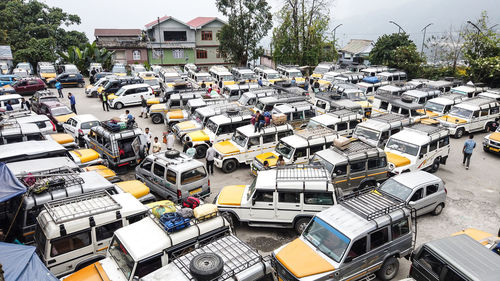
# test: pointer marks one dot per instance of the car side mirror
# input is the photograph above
(253, 201)
(334, 175)
(412, 256)
(348, 259)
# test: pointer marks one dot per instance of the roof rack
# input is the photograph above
(389, 118)
(107, 125)
(39, 183)
(342, 113)
(313, 133)
(427, 129)
(302, 172)
(354, 146)
(371, 205)
(241, 111)
(85, 205)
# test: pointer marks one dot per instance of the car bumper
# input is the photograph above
(491, 148)
(218, 163)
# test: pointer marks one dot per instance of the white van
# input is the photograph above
(472, 115)
(441, 105)
(377, 130)
(245, 144)
(468, 90)
(74, 232)
(268, 75)
(396, 76)
(15, 101)
(221, 75)
(374, 70)
(130, 95)
(418, 147)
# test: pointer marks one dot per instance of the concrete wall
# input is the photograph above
(171, 25)
(211, 56)
(168, 58)
(215, 27)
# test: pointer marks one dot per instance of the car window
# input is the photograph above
(171, 177)
(376, 163)
(431, 263)
(146, 165)
(136, 218)
(400, 228)
(13, 101)
(318, 198)
(315, 148)
(379, 238)
(417, 195)
(444, 141)
(34, 137)
(431, 189)
(298, 115)
(289, 197)
(358, 248)
(263, 196)
(106, 231)
(88, 125)
(300, 152)
(358, 166)
(353, 124)
(452, 276)
(321, 104)
(284, 134)
(147, 266)
(341, 126)
(253, 141)
(159, 170)
(309, 113)
(69, 243)
(433, 146)
(193, 175)
(268, 138)
(340, 170)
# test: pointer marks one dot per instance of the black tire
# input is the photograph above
(389, 269)
(300, 225)
(156, 118)
(201, 151)
(439, 208)
(206, 266)
(459, 133)
(232, 218)
(229, 166)
(118, 105)
(486, 149)
(172, 153)
(435, 166)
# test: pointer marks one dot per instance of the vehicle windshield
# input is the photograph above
(403, 146)
(460, 112)
(396, 189)
(152, 82)
(313, 124)
(251, 189)
(296, 74)
(88, 125)
(197, 116)
(121, 256)
(120, 92)
(326, 239)
(320, 160)
(69, 68)
(139, 68)
(273, 76)
(206, 78)
(227, 77)
(284, 149)
(243, 100)
(47, 69)
(260, 105)
(211, 126)
(366, 133)
(23, 66)
(248, 76)
(434, 107)
(356, 96)
(57, 111)
(320, 69)
(119, 69)
(171, 79)
(239, 138)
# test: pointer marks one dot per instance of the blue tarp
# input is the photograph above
(371, 79)
(11, 186)
(20, 262)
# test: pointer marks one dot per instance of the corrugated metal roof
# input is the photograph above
(5, 53)
(155, 22)
(358, 46)
(200, 21)
(116, 32)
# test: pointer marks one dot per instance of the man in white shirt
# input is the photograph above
(148, 136)
(191, 151)
(156, 145)
(210, 158)
(170, 141)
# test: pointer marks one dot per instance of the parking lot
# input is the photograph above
(473, 195)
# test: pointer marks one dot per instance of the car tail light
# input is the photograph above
(445, 190)
(53, 126)
(209, 183)
(179, 194)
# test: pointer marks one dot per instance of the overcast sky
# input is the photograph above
(361, 19)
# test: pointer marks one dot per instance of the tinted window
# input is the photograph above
(309, 113)
(263, 196)
(431, 189)
(88, 125)
(379, 238)
(315, 148)
(340, 170)
(375, 163)
(417, 195)
(444, 141)
(431, 263)
(341, 126)
(268, 138)
(353, 124)
(318, 198)
(384, 105)
(475, 113)
(159, 170)
(433, 146)
(297, 115)
(106, 231)
(35, 137)
(174, 103)
(358, 248)
(284, 134)
(224, 129)
(69, 243)
(13, 139)
(452, 276)
(484, 112)
(400, 228)
(494, 110)
(289, 197)
(358, 166)
(136, 218)
(147, 266)
(193, 175)
(171, 176)
(146, 165)
(321, 104)
(300, 152)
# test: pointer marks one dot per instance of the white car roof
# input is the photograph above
(412, 136)
(415, 179)
(249, 130)
(29, 148)
(10, 97)
(32, 118)
(85, 118)
(126, 87)
(267, 179)
(443, 101)
(40, 165)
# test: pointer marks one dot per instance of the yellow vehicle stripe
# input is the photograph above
(363, 273)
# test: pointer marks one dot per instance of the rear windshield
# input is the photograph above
(63, 110)
(88, 125)
(193, 175)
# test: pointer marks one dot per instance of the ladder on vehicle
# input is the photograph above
(86, 205)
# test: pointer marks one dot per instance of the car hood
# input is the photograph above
(158, 107)
(175, 114)
(226, 147)
(397, 160)
(134, 187)
(153, 101)
(301, 260)
(270, 157)
(317, 75)
(64, 118)
(186, 125)
(231, 195)
(112, 96)
(452, 119)
(199, 135)
(495, 136)
(48, 75)
(85, 155)
(62, 138)
(93, 272)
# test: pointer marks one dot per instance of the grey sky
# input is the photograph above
(361, 19)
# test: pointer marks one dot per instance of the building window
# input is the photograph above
(174, 36)
(157, 54)
(201, 54)
(178, 54)
(136, 55)
(217, 35)
(217, 53)
(206, 35)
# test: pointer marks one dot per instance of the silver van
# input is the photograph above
(173, 175)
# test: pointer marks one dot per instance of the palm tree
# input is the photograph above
(91, 53)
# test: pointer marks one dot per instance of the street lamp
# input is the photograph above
(334, 38)
(423, 40)
(478, 29)
(400, 28)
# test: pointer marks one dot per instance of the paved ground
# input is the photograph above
(473, 195)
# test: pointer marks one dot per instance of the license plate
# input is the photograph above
(194, 191)
(495, 149)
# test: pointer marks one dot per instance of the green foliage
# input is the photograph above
(33, 30)
(301, 35)
(147, 65)
(482, 53)
(248, 22)
(83, 58)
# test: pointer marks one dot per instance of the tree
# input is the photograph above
(302, 34)
(34, 30)
(248, 22)
(446, 50)
(482, 53)
(90, 53)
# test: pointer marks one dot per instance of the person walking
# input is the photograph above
(469, 146)
(148, 136)
(170, 141)
(203, 85)
(259, 81)
(25, 104)
(156, 145)
(191, 151)
(72, 102)
(8, 106)
(144, 107)
(59, 89)
(293, 83)
(104, 99)
(210, 158)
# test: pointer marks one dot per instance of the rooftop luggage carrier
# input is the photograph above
(354, 146)
(314, 133)
(371, 205)
(302, 172)
(51, 180)
(427, 129)
(114, 126)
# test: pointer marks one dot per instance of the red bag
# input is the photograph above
(191, 202)
(252, 120)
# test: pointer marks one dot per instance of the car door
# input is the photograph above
(356, 260)
(157, 179)
(69, 126)
(427, 266)
(146, 173)
(288, 206)
(22, 87)
(300, 155)
(253, 149)
(357, 172)
(67, 247)
(262, 207)
(417, 201)
(128, 96)
(432, 197)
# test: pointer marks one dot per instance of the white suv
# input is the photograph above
(80, 125)
(285, 197)
(130, 95)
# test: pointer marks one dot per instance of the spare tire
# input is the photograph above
(407, 99)
(232, 111)
(172, 153)
(206, 266)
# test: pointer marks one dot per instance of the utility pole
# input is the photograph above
(334, 34)
(159, 37)
(400, 28)
(423, 40)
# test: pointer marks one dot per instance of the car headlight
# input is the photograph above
(485, 141)
(218, 156)
(391, 166)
